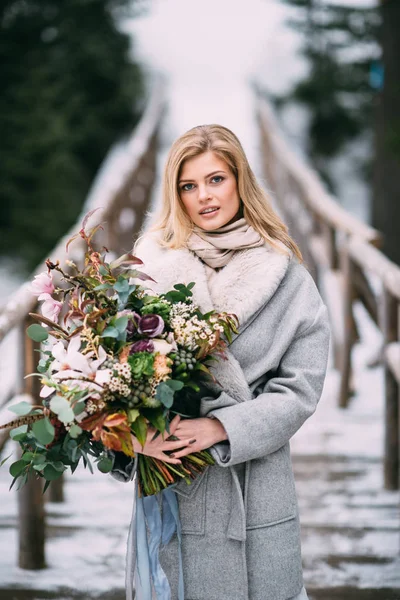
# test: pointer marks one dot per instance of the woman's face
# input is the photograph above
(206, 182)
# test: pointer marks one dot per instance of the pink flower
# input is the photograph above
(50, 308)
(42, 284)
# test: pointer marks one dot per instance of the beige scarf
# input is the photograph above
(216, 247)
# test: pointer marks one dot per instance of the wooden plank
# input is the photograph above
(319, 251)
(349, 328)
(332, 291)
(389, 325)
(373, 260)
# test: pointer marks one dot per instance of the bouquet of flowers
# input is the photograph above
(121, 359)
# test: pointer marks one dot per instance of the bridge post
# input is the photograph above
(30, 497)
(389, 326)
(349, 333)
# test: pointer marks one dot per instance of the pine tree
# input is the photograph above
(339, 42)
(69, 90)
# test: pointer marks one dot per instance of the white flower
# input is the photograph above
(164, 347)
(70, 363)
(103, 376)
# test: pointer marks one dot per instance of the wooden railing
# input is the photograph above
(122, 191)
(341, 253)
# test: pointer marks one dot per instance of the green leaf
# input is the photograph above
(4, 460)
(37, 333)
(156, 418)
(59, 466)
(40, 467)
(110, 332)
(174, 384)
(139, 428)
(46, 485)
(62, 408)
(133, 414)
(39, 459)
(122, 285)
(75, 430)
(165, 394)
(103, 270)
(19, 433)
(102, 286)
(27, 456)
(121, 323)
(78, 408)
(105, 464)
(17, 468)
(22, 481)
(43, 431)
(21, 409)
(50, 473)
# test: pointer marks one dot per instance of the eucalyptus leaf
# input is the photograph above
(110, 332)
(43, 431)
(19, 433)
(62, 408)
(37, 333)
(75, 430)
(121, 323)
(17, 468)
(105, 464)
(174, 384)
(122, 285)
(21, 409)
(50, 473)
(165, 394)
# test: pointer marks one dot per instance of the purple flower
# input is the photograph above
(142, 346)
(132, 327)
(151, 325)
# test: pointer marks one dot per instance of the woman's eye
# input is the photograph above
(185, 187)
(217, 177)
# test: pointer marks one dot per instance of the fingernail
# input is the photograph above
(172, 455)
(192, 441)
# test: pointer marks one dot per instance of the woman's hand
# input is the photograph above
(156, 448)
(199, 433)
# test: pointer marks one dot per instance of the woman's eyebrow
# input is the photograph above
(209, 175)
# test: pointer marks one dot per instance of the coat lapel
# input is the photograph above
(243, 287)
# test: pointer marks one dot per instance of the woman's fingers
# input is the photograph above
(174, 423)
(168, 459)
(173, 445)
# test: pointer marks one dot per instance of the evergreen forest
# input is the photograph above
(69, 90)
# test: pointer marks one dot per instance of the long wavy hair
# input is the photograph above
(173, 222)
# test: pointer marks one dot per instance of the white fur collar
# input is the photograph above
(242, 287)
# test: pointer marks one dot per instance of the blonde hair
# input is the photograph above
(173, 221)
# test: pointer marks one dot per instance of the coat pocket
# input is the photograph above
(271, 493)
(192, 504)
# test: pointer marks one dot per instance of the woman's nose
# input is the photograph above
(204, 193)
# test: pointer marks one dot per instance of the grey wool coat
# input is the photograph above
(240, 525)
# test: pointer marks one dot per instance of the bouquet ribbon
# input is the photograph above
(155, 519)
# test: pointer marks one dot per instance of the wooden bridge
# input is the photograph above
(343, 256)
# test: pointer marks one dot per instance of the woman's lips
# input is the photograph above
(208, 215)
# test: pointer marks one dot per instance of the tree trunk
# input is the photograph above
(386, 200)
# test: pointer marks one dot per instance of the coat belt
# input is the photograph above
(237, 518)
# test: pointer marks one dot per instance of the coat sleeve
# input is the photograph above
(264, 424)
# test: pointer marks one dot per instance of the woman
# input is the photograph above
(240, 526)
